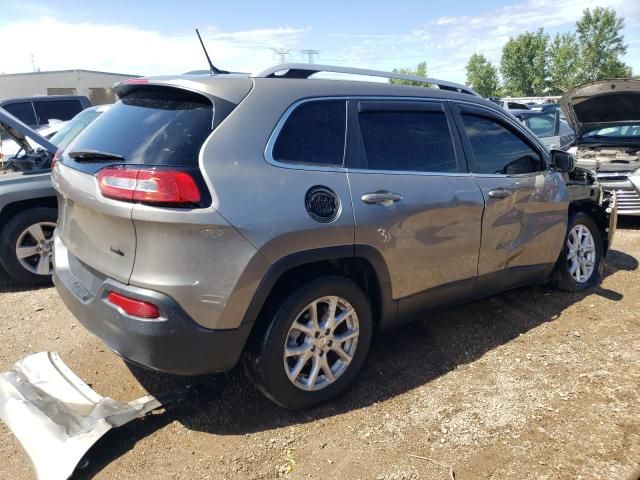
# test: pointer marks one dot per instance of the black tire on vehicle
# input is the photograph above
(562, 277)
(9, 236)
(267, 365)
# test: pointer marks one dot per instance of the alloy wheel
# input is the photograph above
(34, 248)
(581, 253)
(321, 343)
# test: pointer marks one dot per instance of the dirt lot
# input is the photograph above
(529, 384)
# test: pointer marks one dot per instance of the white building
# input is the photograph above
(93, 84)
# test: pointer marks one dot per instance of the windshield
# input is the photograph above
(624, 131)
(70, 131)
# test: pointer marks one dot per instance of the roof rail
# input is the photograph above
(305, 70)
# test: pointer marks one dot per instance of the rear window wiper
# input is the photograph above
(95, 155)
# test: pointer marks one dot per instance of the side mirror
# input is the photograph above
(562, 161)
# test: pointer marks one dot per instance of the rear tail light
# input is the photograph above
(170, 187)
(56, 157)
(133, 307)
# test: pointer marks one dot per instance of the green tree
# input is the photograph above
(420, 71)
(564, 63)
(601, 45)
(482, 76)
(524, 65)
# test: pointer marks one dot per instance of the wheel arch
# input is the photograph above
(361, 263)
(599, 215)
(18, 206)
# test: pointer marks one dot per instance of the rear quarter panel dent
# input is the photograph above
(198, 259)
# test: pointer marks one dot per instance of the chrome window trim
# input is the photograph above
(506, 175)
(408, 172)
(268, 152)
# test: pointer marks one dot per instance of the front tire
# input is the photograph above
(580, 265)
(26, 246)
(315, 344)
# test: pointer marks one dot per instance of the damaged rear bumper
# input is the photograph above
(172, 343)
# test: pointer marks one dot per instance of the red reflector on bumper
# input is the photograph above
(133, 307)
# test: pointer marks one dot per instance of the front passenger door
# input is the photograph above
(526, 204)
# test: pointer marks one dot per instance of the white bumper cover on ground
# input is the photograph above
(56, 416)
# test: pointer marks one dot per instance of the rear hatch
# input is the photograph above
(144, 149)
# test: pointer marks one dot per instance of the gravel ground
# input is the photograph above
(532, 383)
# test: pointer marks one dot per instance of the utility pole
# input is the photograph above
(33, 63)
(281, 54)
(311, 55)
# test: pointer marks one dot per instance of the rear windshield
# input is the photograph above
(56, 110)
(152, 126)
(23, 111)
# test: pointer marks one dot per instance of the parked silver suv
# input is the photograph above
(290, 219)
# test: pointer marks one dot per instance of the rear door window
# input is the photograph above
(22, 111)
(159, 126)
(497, 149)
(418, 141)
(313, 134)
(56, 110)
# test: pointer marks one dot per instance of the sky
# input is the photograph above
(147, 37)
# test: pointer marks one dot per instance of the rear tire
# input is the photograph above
(15, 235)
(300, 364)
(580, 265)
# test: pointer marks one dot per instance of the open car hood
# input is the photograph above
(602, 104)
(19, 132)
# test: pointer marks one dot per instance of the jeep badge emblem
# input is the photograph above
(322, 204)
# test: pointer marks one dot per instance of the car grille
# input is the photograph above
(628, 200)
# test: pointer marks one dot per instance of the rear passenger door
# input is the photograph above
(414, 200)
(526, 204)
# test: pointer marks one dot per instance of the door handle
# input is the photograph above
(381, 197)
(500, 193)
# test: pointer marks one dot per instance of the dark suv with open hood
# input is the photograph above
(606, 118)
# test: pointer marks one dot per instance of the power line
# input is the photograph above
(281, 53)
(311, 55)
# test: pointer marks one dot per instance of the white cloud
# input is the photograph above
(123, 48)
(445, 43)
